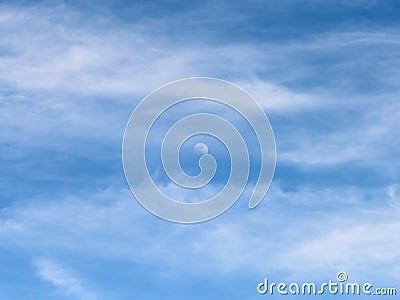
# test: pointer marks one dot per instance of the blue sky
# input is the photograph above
(325, 72)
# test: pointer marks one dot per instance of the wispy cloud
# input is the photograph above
(70, 77)
(332, 230)
(64, 280)
(371, 140)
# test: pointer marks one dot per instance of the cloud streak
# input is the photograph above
(70, 77)
(335, 226)
(64, 280)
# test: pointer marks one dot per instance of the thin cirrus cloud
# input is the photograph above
(68, 83)
(65, 280)
(369, 142)
(75, 225)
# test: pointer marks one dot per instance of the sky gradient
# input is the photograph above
(327, 74)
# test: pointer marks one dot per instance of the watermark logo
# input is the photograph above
(339, 286)
(154, 105)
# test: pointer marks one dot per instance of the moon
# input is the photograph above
(201, 148)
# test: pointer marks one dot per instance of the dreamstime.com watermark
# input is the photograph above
(340, 286)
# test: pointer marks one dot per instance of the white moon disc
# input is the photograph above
(201, 148)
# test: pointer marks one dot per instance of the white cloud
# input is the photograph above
(361, 246)
(280, 99)
(64, 279)
(56, 75)
(53, 66)
(304, 232)
(369, 139)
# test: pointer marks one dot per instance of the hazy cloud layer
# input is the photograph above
(70, 75)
